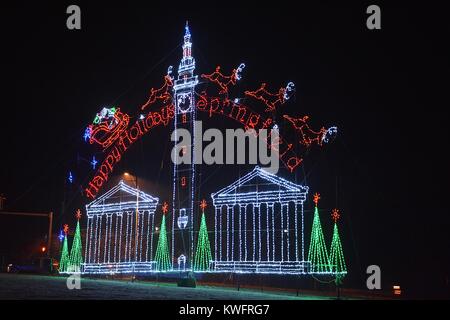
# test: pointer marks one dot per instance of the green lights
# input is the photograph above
(317, 254)
(162, 256)
(64, 261)
(337, 260)
(203, 254)
(75, 259)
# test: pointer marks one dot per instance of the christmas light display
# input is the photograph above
(111, 242)
(113, 130)
(330, 135)
(123, 142)
(225, 82)
(109, 125)
(64, 261)
(162, 257)
(249, 119)
(255, 213)
(165, 207)
(337, 261)
(61, 236)
(272, 100)
(75, 258)
(94, 162)
(258, 220)
(87, 134)
(181, 261)
(309, 136)
(203, 257)
(317, 254)
(162, 94)
(70, 177)
(184, 174)
(335, 215)
(106, 114)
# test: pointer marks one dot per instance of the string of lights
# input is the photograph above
(256, 201)
(260, 219)
(117, 233)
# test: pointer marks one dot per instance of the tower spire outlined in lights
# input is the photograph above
(184, 174)
(187, 64)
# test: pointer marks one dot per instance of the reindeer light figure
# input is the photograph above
(309, 136)
(163, 93)
(225, 82)
(272, 100)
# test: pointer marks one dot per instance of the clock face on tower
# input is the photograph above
(184, 102)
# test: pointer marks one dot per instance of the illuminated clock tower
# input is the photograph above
(184, 174)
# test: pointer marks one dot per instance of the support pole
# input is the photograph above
(49, 237)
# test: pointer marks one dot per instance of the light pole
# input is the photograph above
(33, 214)
(126, 174)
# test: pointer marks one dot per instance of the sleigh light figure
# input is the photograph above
(107, 126)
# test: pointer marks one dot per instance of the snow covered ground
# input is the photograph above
(14, 286)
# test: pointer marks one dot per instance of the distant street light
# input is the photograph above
(397, 290)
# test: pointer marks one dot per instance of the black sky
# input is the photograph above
(384, 89)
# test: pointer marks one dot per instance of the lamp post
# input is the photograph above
(126, 174)
(34, 214)
(2, 201)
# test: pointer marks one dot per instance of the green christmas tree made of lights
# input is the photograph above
(76, 258)
(337, 260)
(203, 253)
(162, 256)
(317, 254)
(64, 261)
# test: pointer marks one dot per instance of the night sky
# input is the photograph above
(384, 90)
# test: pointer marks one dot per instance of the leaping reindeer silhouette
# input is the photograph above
(309, 136)
(225, 82)
(272, 100)
(161, 94)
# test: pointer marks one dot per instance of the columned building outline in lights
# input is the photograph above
(259, 226)
(111, 242)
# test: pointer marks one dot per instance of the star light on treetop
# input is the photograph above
(203, 204)
(335, 215)
(78, 214)
(316, 198)
(165, 207)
